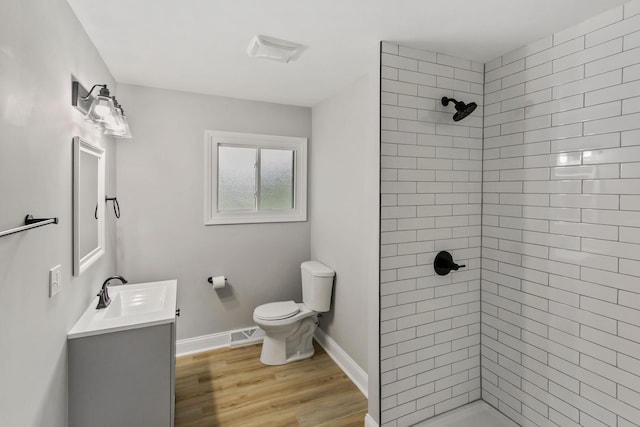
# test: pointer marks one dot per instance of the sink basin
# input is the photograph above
(132, 306)
(132, 302)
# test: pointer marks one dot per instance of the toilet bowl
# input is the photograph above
(289, 326)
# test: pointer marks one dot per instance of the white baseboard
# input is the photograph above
(203, 343)
(344, 361)
(369, 421)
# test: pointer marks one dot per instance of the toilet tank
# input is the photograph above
(317, 285)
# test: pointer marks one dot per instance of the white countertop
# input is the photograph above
(132, 306)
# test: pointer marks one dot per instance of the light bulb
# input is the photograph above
(101, 110)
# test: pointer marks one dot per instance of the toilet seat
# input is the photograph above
(277, 310)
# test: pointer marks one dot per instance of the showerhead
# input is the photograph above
(462, 109)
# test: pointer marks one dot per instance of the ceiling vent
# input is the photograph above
(274, 49)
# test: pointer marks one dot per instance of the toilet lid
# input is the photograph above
(277, 310)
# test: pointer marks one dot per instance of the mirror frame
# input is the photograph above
(81, 263)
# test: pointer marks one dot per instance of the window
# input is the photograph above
(253, 178)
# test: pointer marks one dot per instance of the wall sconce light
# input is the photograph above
(102, 109)
(121, 128)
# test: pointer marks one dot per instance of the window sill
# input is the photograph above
(254, 219)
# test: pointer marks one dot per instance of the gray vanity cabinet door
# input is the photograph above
(122, 379)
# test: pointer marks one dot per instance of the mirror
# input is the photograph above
(88, 204)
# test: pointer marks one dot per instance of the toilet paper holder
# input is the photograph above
(210, 280)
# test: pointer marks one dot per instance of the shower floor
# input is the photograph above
(476, 414)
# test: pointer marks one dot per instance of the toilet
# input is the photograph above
(289, 326)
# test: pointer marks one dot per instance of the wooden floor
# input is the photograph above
(230, 387)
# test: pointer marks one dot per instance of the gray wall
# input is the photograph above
(162, 231)
(42, 46)
(344, 205)
(561, 227)
(431, 201)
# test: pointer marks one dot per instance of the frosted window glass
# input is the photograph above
(236, 178)
(252, 178)
(276, 179)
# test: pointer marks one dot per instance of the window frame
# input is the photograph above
(214, 138)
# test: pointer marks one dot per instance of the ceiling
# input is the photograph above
(200, 45)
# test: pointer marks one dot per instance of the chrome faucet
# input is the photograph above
(105, 300)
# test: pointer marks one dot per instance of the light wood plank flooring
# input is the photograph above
(230, 387)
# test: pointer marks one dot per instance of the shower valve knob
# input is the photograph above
(443, 263)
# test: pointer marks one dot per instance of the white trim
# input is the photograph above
(298, 145)
(343, 360)
(369, 421)
(82, 261)
(202, 343)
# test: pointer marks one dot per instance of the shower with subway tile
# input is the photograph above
(534, 186)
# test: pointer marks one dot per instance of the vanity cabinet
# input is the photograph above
(123, 379)
(121, 359)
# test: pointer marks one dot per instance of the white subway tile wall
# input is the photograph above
(431, 172)
(558, 180)
(561, 227)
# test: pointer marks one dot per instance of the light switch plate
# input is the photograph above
(55, 280)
